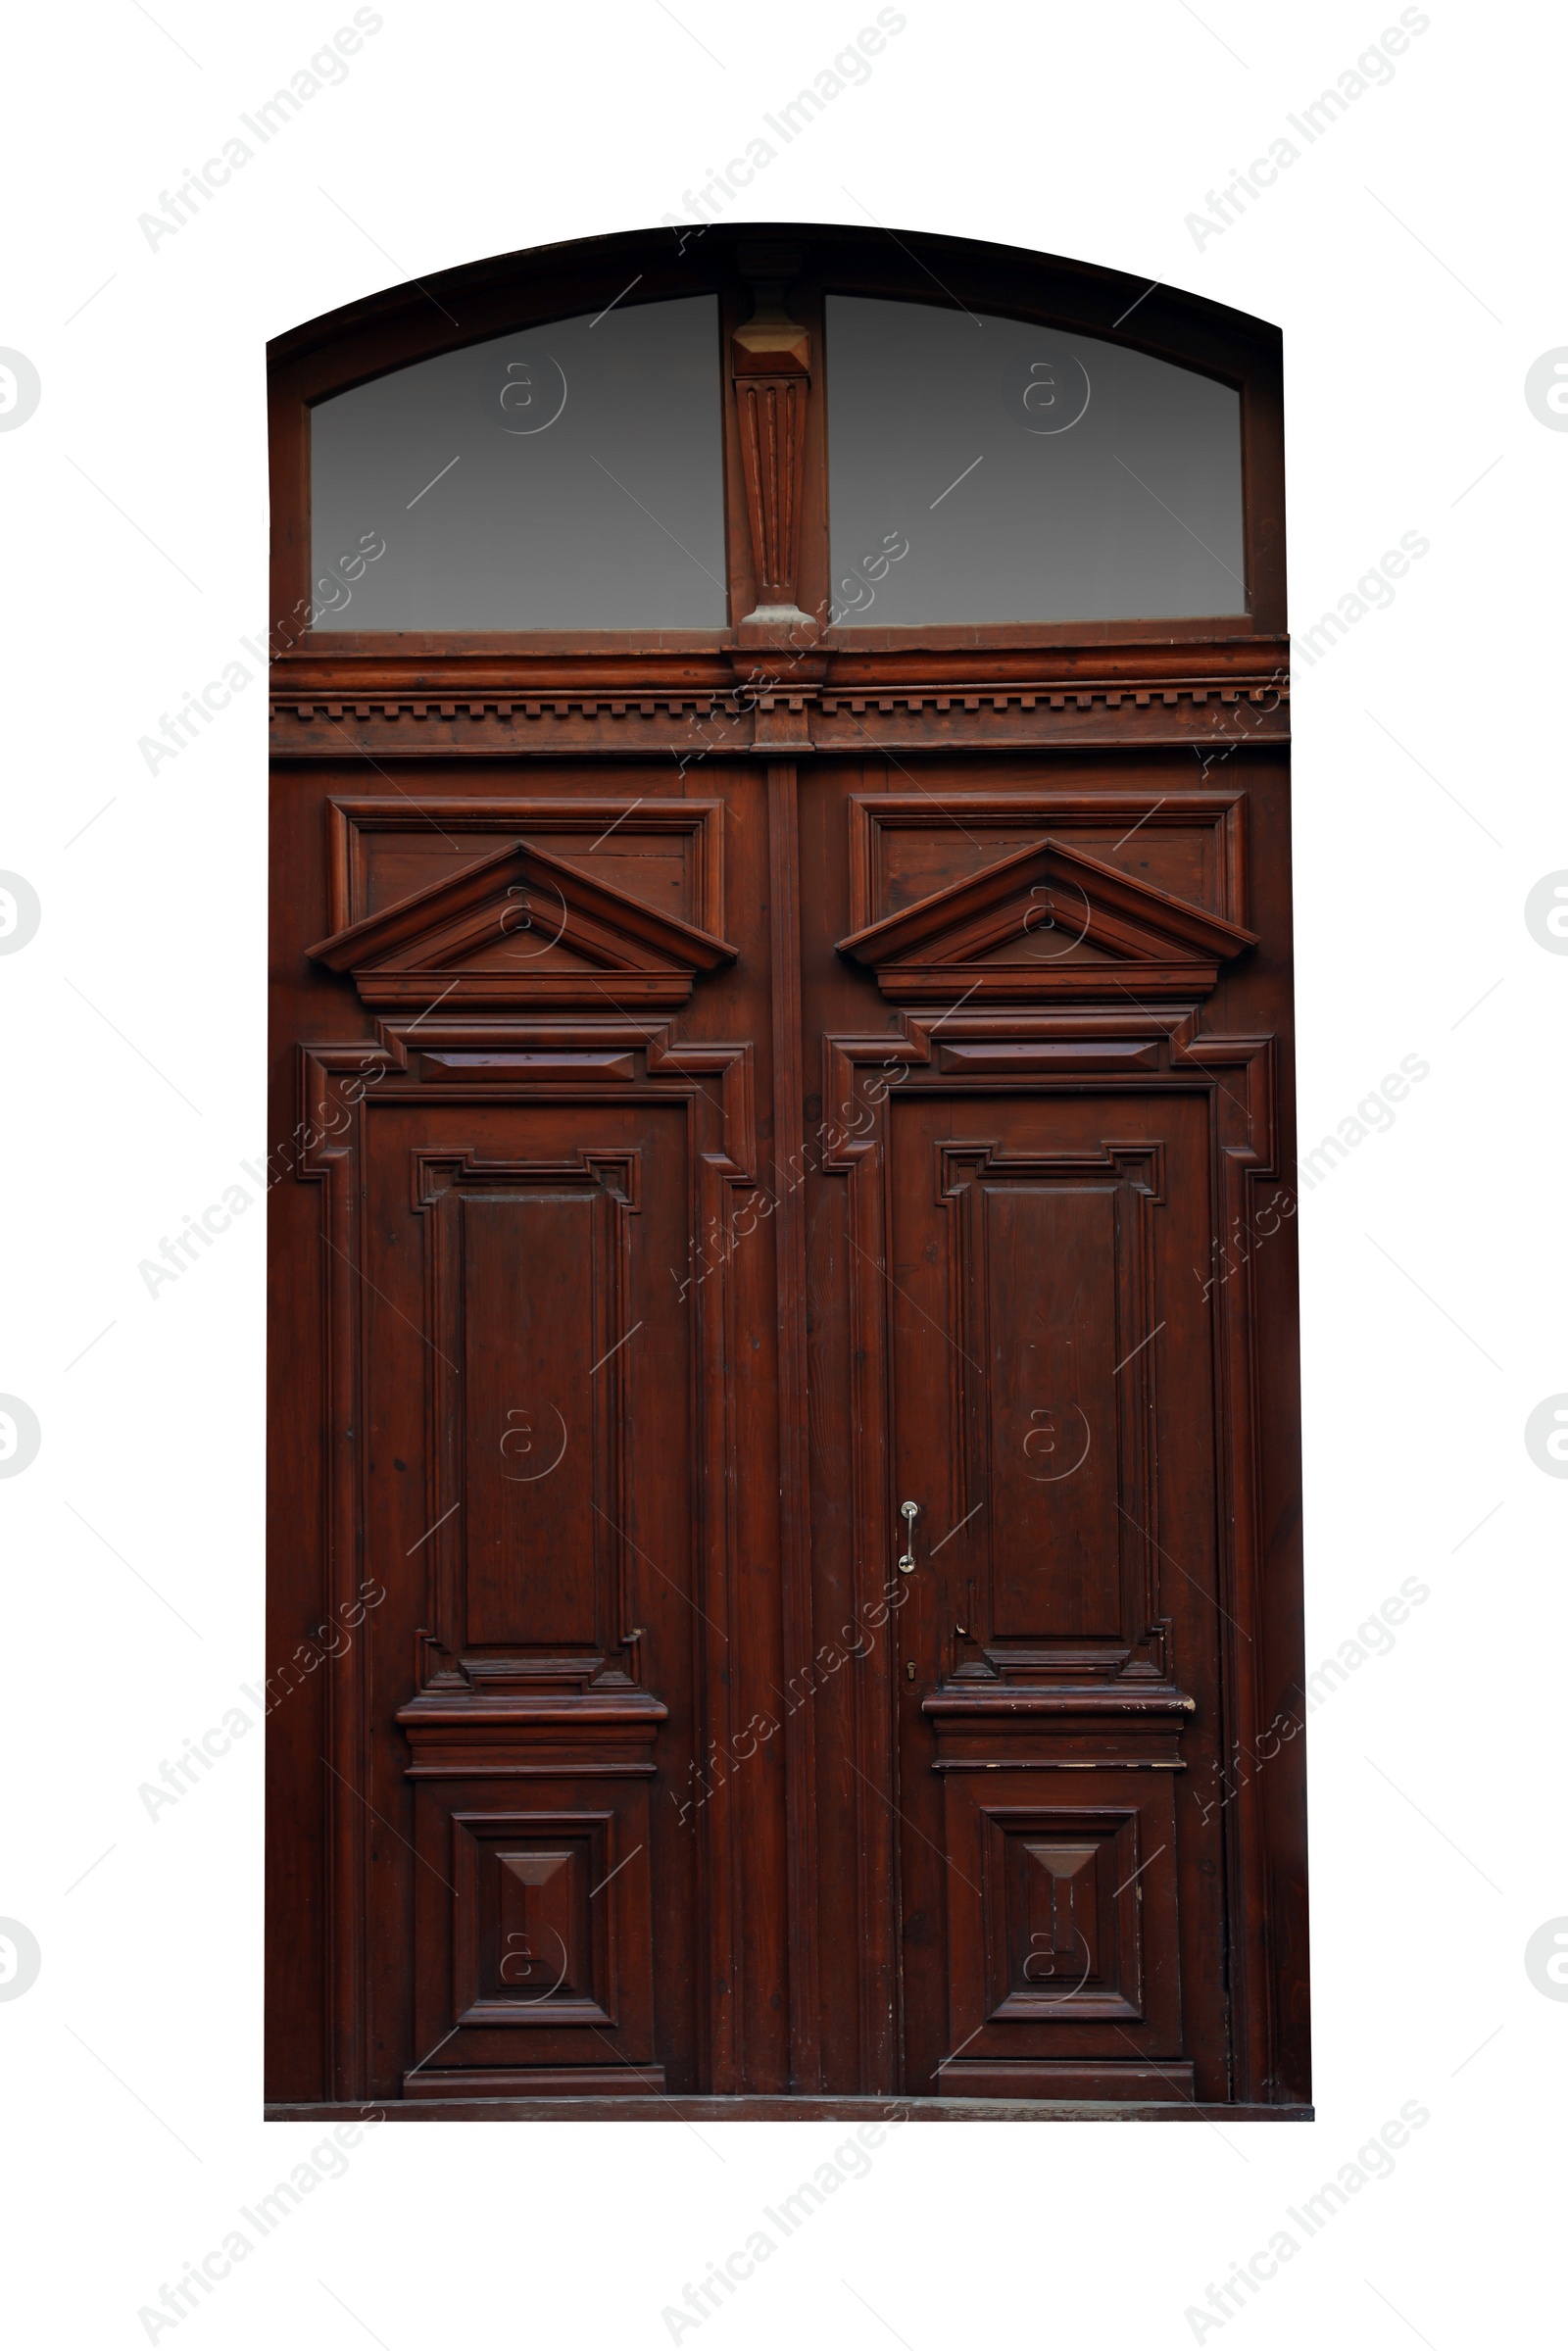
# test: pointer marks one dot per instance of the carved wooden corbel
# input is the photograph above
(770, 364)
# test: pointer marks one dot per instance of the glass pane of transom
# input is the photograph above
(568, 477)
(984, 469)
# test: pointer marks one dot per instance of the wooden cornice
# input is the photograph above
(720, 699)
(409, 670)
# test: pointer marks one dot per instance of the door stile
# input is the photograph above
(346, 1759)
(1246, 1156)
(722, 2015)
(722, 1154)
(794, 1501)
(859, 1153)
(883, 1744)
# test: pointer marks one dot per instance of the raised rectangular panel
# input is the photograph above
(534, 1403)
(1046, 1294)
(535, 1267)
(1049, 1274)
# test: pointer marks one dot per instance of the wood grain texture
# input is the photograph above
(896, 1106)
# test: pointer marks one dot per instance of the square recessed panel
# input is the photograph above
(532, 1946)
(1062, 1934)
(1061, 1915)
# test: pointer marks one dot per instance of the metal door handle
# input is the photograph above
(909, 1511)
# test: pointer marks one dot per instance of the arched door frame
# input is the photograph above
(783, 697)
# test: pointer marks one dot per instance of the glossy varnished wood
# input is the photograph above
(763, 1136)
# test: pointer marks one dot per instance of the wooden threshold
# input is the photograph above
(779, 2109)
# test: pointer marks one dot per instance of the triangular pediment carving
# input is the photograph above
(517, 929)
(1046, 921)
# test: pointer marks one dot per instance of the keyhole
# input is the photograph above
(910, 1669)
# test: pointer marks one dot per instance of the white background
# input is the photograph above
(1409, 257)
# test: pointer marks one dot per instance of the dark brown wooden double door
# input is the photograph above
(785, 1541)
(691, 1171)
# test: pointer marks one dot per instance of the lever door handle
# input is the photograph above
(910, 1513)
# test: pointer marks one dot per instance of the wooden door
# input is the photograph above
(785, 1578)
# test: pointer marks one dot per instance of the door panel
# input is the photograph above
(1022, 1322)
(510, 1219)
